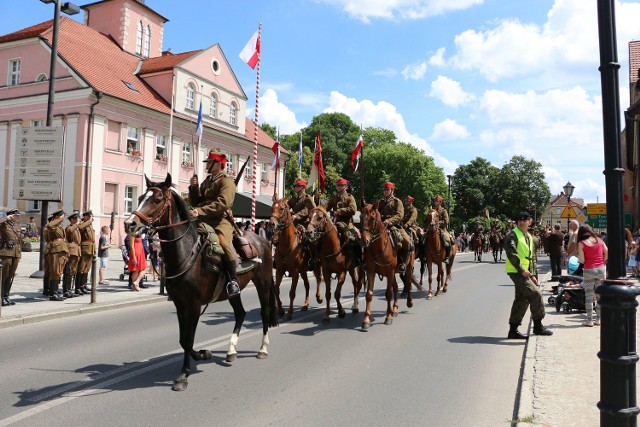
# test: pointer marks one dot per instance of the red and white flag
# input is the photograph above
(276, 151)
(355, 155)
(317, 168)
(251, 52)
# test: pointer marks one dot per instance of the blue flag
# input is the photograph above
(199, 124)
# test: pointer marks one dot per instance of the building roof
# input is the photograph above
(27, 33)
(166, 62)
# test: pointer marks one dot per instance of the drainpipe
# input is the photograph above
(98, 95)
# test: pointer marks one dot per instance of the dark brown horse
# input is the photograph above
(380, 257)
(334, 259)
(290, 255)
(477, 244)
(190, 283)
(496, 242)
(434, 253)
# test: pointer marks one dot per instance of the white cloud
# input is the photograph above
(277, 114)
(448, 130)
(450, 92)
(437, 59)
(366, 10)
(386, 72)
(415, 72)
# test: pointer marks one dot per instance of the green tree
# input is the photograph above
(522, 187)
(473, 189)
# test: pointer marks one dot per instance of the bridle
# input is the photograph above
(373, 229)
(167, 208)
(321, 231)
(280, 223)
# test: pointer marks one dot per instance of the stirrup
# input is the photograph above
(233, 289)
(402, 267)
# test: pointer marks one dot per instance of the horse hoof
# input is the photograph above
(304, 308)
(179, 385)
(365, 326)
(262, 355)
(205, 354)
(355, 310)
(288, 316)
(280, 313)
(341, 314)
(409, 304)
(320, 300)
(444, 291)
(429, 297)
(395, 314)
(231, 357)
(388, 320)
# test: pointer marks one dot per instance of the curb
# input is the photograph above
(96, 308)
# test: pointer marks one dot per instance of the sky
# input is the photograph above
(458, 79)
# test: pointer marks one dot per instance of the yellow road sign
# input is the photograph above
(597, 209)
(568, 212)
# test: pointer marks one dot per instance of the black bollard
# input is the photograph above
(162, 279)
(94, 269)
(0, 287)
(618, 357)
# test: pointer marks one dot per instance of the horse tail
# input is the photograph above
(273, 310)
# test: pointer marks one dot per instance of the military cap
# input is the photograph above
(73, 215)
(342, 181)
(215, 156)
(88, 213)
(57, 213)
(300, 182)
(523, 215)
(389, 185)
(438, 199)
(409, 199)
(13, 212)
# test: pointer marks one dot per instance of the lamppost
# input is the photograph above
(70, 9)
(568, 191)
(449, 199)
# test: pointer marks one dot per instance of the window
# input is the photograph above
(264, 172)
(161, 148)
(190, 97)
(114, 135)
(109, 198)
(33, 205)
(37, 123)
(139, 39)
(42, 77)
(186, 154)
(14, 72)
(147, 42)
(230, 171)
(133, 135)
(213, 105)
(130, 198)
(233, 112)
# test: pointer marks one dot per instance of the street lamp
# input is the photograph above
(449, 198)
(69, 9)
(568, 191)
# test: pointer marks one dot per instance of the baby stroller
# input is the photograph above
(570, 291)
(125, 258)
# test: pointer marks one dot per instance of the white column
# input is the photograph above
(70, 189)
(5, 165)
(95, 163)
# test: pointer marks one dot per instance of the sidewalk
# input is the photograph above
(561, 379)
(31, 306)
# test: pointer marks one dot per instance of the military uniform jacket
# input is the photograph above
(444, 217)
(511, 249)
(391, 209)
(212, 200)
(87, 238)
(72, 235)
(55, 236)
(11, 240)
(300, 207)
(344, 205)
(410, 218)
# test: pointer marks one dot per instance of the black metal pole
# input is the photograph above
(1, 284)
(449, 200)
(618, 303)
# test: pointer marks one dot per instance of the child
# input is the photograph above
(103, 252)
(633, 252)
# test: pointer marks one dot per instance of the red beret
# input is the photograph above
(409, 199)
(301, 182)
(342, 181)
(214, 155)
(439, 199)
(389, 185)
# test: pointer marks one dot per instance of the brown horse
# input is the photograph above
(434, 252)
(290, 255)
(190, 281)
(477, 244)
(334, 259)
(380, 258)
(496, 242)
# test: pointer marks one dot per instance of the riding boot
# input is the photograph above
(53, 283)
(538, 329)
(85, 288)
(404, 254)
(514, 334)
(46, 287)
(233, 289)
(447, 254)
(66, 285)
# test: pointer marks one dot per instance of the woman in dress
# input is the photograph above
(137, 262)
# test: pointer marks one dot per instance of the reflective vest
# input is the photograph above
(524, 249)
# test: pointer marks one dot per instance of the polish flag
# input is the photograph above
(317, 168)
(276, 151)
(251, 52)
(355, 155)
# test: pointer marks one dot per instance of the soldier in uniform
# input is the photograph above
(392, 211)
(57, 253)
(342, 206)
(445, 237)
(10, 252)
(72, 234)
(87, 251)
(300, 204)
(212, 199)
(410, 219)
(520, 250)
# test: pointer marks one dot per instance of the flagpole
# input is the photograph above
(255, 139)
(300, 157)
(361, 169)
(170, 142)
(277, 166)
(197, 165)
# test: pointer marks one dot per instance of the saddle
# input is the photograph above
(213, 250)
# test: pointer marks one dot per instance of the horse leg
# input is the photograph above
(389, 294)
(279, 274)
(307, 287)
(338, 294)
(430, 272)
(327, 294)
(319, 279)
(239, 314)
(422, 267)
(408, 278)
(356, 278)
(266, 295)
(188, 321)
(292, 294)
(366, 321)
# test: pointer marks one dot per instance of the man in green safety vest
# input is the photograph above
(519, 247)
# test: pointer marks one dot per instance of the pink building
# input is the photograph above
(114, 87)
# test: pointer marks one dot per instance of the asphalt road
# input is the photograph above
(444, 362)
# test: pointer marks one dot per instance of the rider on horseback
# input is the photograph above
(301, 204)
(212, 199)
(392, 212)
(445, 237)
(410, 219)
(342, 207)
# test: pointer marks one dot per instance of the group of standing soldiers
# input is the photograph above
(68, 255)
